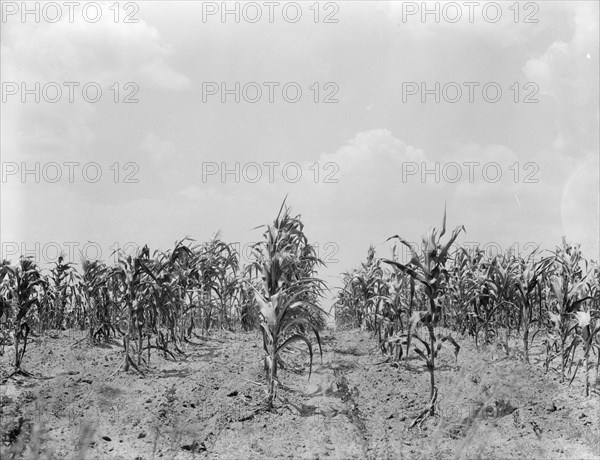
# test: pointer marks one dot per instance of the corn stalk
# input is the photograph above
(289, 293)
(22, 285)
(429, 270)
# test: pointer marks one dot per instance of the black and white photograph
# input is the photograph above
(350, 229)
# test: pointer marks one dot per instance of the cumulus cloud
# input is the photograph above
(79, 53)
(160, 150)
(579, 207)
(375, 165)
(498, 24)
(567, 72)
(195, 193)
(83, 52)
(503, 198)
(361, 194)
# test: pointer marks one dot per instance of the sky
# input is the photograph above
(161, 120)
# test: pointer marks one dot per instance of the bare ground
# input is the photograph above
(355, 405)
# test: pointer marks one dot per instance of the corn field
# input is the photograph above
(554, 298)
(443, 297)
(159, 300)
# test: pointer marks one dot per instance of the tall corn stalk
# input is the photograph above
(22, 285)
(568, 291)
(95, 300)
(218, 265)
(430, 271)
(588, 330)
(137, 290)
(289, 292)
(359, 299)
(349, 306)
(528, 286)
(248, 283)
(59, 309)
(184, 280)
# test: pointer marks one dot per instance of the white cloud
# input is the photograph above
(161, 150)
(171, 134)
(579, 207)
(104, 53)
(195, 193)
(567, 72)
(489, 22)
(79, 52)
